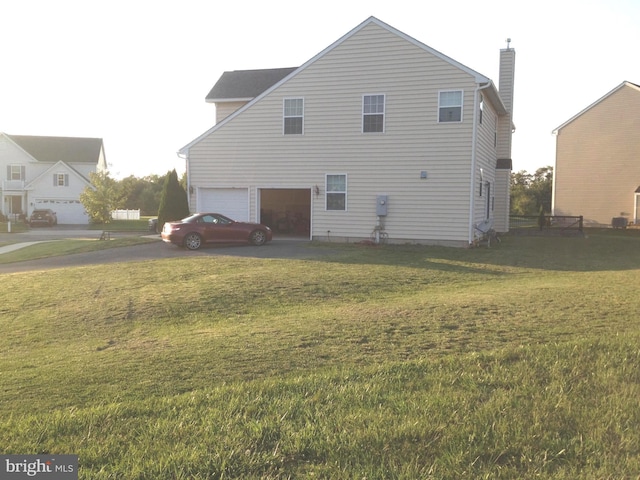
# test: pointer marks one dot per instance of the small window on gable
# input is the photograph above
(373, 113)
(293, 116)
(450, 106)
(60, 179)
(336, 192)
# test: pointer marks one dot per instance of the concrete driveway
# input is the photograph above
(278, 248)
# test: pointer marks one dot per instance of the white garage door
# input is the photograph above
(69, 212)
(232, 202)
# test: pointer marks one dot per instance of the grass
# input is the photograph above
(67, 247)
(520, 361)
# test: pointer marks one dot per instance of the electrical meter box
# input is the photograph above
(381, 205)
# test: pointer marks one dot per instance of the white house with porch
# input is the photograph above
(47, 172)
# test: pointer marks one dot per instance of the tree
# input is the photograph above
(173, 203)
(101, 197)
(531, 192)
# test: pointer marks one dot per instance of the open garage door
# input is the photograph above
(232, 202)
(69, 212)
(286, 210)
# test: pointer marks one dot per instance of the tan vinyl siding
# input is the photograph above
(224, 109)
(598, 160)
(252, 147)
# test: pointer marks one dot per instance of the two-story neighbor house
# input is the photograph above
(597, 170)
(378, 136)
(48, 172)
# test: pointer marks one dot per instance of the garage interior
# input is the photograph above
(286, 211)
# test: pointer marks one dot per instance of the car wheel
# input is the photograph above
(258, 237)
(193, 241)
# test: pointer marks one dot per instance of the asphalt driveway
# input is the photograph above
(278, 248)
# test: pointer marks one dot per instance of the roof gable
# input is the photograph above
(597, 102)
(58, 167)
(480, 79)
(54, 149)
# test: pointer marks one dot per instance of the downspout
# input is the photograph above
(186, 166)
(474, 146)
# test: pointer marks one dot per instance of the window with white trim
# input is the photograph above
(293, 116)
(373, 113)
(450, 106)
(336, 192)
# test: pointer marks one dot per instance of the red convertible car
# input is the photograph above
(202, 228)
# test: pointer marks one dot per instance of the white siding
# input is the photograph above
(250, 149)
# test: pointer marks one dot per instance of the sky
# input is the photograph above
(136, 72)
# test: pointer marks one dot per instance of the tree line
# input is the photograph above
(166, 197)
(163, 196)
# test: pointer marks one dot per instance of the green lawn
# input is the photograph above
(520, 361)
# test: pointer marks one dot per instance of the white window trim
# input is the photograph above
(285, 116)
(440, 92)
(384, 113)
(327, 192)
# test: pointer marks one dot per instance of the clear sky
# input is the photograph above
(136, 72)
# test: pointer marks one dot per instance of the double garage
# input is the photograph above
(286, 210)
(69, 212)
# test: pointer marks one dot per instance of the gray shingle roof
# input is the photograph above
(54, 149)
(246, 84)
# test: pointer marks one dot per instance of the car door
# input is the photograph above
(228, 231)
(210, 229)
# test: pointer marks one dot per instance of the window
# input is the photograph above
(373, 113)
(15, 172)
(336, 189)
(60, 180)
(481, 109)
(293, 116)
(450, 106)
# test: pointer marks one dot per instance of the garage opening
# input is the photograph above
(286, 210)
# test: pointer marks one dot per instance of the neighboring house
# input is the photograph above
(378, 136)
(597, 170)
(48, 172)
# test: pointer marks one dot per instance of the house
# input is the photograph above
(48, 172)
(376, 137)
(597, 169)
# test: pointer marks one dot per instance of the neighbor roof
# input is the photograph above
(245, 85)
(54, 149)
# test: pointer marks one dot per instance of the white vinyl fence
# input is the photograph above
(125, 214)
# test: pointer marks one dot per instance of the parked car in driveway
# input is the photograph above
(205, 228)
(43, 216)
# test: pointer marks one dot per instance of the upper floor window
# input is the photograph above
(293, 116)
(15, 172)
(60, 179)
(450, 106)
(481, 109)
(336, 192)
(372, 113)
